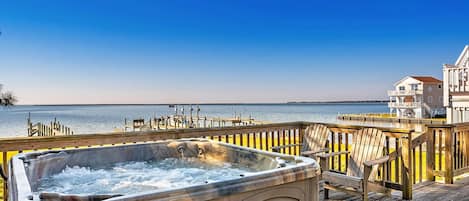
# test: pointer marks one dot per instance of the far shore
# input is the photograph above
(164, 104)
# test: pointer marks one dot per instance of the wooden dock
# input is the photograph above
(51, 129)
(182, 118)
(372, 118)
(183, 121)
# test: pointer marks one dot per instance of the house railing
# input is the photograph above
(405, 104)
(404, 92)
(419, 156)
(456, 78)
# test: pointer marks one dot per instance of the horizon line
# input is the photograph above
(228, 103)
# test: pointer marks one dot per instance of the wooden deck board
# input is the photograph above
(422, 192)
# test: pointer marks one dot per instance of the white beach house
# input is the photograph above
(456, 85)
(417, 97)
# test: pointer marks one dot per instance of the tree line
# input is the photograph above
(7, 98)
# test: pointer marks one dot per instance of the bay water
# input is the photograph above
(85, 119)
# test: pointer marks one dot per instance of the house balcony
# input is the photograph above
(456, 78)
(404, 92)
(405, 105)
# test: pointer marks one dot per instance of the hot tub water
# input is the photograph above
(134, 177)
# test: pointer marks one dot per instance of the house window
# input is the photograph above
(414, 87)
(402, 88)
(439, 86)
(430, 99)
(430, 88)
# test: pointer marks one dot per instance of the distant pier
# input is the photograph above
(389, 119)
(51, 129)
(182, 119)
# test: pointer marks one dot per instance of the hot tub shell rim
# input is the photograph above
(308, 168)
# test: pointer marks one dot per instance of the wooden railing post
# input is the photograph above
(302, 132)
(407, 166)
(449, 150)
(431, 153)
(5, 169)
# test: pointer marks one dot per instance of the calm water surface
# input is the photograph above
(133, 177)
(106, 118)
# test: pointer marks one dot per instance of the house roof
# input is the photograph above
(463, 56)
(426, 79)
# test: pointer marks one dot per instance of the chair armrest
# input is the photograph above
(277, 148)
(324, 159)
(369, 166)
(309, 153)
(377, 161)
(328, 155)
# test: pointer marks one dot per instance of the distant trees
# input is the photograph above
(7, 98)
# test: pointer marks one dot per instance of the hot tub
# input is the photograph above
(186, 169)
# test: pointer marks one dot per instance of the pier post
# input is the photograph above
(158, 124)
(198, 117)
(125, 124)
(149, 122)
(30, 125)
(191, 120)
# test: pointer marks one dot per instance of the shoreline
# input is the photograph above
(184, 104)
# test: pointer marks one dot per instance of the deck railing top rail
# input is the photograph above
(384, 129)
(43, 142)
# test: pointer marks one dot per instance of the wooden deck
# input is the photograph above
(424, 191)
(442, 150)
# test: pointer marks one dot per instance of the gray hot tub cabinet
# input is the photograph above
(280, 177)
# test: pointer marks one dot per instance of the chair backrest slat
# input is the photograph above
(367, 145)
(315, 137)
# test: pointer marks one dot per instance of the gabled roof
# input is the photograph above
(426, 79)
(423, 79)
(463, 57)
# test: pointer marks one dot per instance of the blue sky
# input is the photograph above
(65, 52)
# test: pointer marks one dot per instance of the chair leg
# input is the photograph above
(365, 191)
(326, 193)
(388, 192)
(365, 195)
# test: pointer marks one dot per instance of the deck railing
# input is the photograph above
(415, 161)
(451, 151)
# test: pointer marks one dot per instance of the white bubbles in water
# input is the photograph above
(133, 177)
